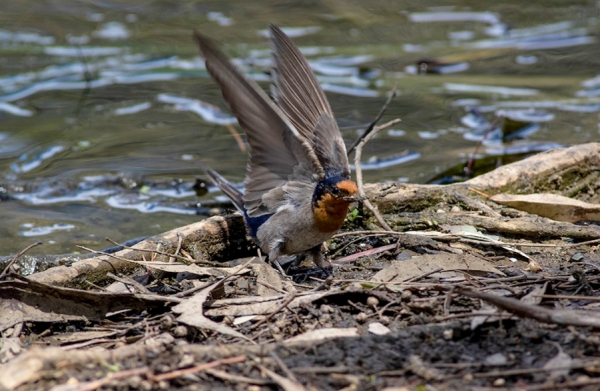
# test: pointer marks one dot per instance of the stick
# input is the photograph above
(546, 315)
(377, 118)
(198, 368)
(469, 166)
(359, 181)
(237, 137)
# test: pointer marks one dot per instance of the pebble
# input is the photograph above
(361, 317)
(180, 332)
(372, 302)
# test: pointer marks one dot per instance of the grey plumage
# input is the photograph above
(295, 144)
(226, 187)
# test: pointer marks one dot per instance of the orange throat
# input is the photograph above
(329, 213)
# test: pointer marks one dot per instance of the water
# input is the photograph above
(106, 108)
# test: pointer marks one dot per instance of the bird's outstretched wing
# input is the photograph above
(277, 145)
(299, 95)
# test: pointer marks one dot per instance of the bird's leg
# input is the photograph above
(273, 255)
(319, 259)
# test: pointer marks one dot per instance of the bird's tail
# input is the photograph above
(226, 187)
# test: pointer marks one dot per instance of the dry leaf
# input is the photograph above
(534, 297)
(559, 364)
(486, 314)
(192, 313)
(23, 300)
(470, 232)
(378, 329)
(256, 305)
(266, 274)
(533, 267)
(400, 271)
(552, 206)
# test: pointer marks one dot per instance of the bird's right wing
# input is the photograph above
(277, 146)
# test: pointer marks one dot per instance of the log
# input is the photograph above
(216, 239)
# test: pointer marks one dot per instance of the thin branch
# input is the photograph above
(359, 181)
(283, 305)
(198, 368)
(468, 169)
(179, 241)
(547, 315)
(371, 127)
(237, 137)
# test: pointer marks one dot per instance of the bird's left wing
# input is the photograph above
(299, 95)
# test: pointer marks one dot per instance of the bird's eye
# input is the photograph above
(335, 190)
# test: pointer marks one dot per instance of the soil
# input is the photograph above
(432, 340)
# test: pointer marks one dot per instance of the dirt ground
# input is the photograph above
(420, 334)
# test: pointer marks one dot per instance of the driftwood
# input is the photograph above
(214, 239)
(565, 171)
(405, 207)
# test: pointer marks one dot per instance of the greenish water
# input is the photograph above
(100, 131)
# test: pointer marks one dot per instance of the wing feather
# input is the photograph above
(299, 95)
(277, 146)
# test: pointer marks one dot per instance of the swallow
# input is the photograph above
(298, 186)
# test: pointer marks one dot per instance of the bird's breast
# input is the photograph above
(329, 213)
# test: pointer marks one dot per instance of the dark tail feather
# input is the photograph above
(226, 187)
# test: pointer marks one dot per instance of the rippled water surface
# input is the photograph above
(106, 108)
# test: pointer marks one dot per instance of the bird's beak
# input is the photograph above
(354, 198)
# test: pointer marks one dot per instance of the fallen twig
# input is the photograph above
(419, 277)
(365, 253)
(468, 169)
(198, 368)
(179, 241)
(96, 384)
(285, 303)
(546, 315)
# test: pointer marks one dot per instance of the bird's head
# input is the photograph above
(331, 199)
(336, 190)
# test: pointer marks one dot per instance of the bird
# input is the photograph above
(298, 185)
